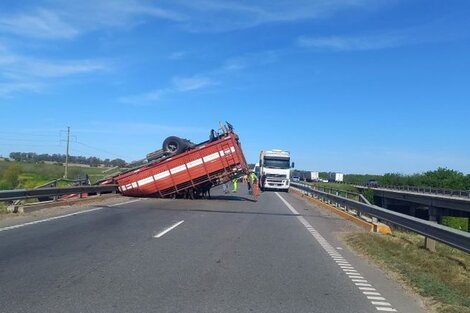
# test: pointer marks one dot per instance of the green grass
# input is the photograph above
(36, 174)
(460, 223)
(340, 187)
(443, 276)
(343, 187)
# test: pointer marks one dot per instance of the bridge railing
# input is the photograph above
(455, 238)
(428, 190)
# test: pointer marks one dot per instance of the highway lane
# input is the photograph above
(229, 254)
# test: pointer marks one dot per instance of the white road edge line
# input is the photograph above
(367, 289)
(62, 216)
(168, 229)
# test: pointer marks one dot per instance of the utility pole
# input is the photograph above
(67, 153)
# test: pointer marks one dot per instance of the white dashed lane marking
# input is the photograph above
(375, 298)
(168, 229)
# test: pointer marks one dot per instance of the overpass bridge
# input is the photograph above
(430, 203)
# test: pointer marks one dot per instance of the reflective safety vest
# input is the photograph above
(253, 178)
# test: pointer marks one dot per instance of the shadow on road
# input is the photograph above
(229, 212)
(230, 198)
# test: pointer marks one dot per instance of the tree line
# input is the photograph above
(60, 158)
(440, 178)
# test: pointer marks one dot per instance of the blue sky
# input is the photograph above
(359, 86)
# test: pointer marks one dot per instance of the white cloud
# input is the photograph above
(63, 19)
(40, 23)
(131, 128)
(191, 83)
(9, 88)
(207, 79)
(215, 16)
(61, 69)
(177, 55)
(20, 74)
(178, 85)
(339, 43)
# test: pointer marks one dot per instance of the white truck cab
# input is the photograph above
(274, 170)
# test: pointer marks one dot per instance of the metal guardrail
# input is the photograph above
(20, 194)
(338, 192)
(444, 234)
(425, 190)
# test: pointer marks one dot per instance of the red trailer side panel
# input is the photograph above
(212, 162)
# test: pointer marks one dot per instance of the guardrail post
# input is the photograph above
(429, 243)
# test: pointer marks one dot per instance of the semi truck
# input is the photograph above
(314, 176)
(335, 177)
(274, 170)
(184, 169)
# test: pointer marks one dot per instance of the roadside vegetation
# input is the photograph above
(442, 277)
(32, 157)
(15, 174)
(440, 178)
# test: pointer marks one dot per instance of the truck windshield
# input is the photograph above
(277, 162)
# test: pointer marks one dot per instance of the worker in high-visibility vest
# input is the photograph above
(235, 185)
(252, 180)
(254, 184)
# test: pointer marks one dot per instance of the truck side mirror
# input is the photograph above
(293, 165)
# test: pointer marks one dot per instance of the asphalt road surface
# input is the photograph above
(226, 254)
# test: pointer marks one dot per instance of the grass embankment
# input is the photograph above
(343, 187)
(30, 175)
(443, 277)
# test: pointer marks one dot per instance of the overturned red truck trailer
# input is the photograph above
(189, 173)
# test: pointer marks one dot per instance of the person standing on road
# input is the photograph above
(225, 187)
(235, 185)
(252, 180)
(254, 184)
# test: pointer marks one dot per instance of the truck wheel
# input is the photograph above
(174, 145)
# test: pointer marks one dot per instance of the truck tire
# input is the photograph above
(174, 145)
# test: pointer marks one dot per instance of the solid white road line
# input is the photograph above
(359, 281)
(63, 216)
(49, 219)
(167, 230)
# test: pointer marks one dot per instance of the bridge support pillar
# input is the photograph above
(385, 203)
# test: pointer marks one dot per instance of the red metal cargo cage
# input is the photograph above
(190, 173)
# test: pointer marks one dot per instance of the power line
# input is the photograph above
(98, 149)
